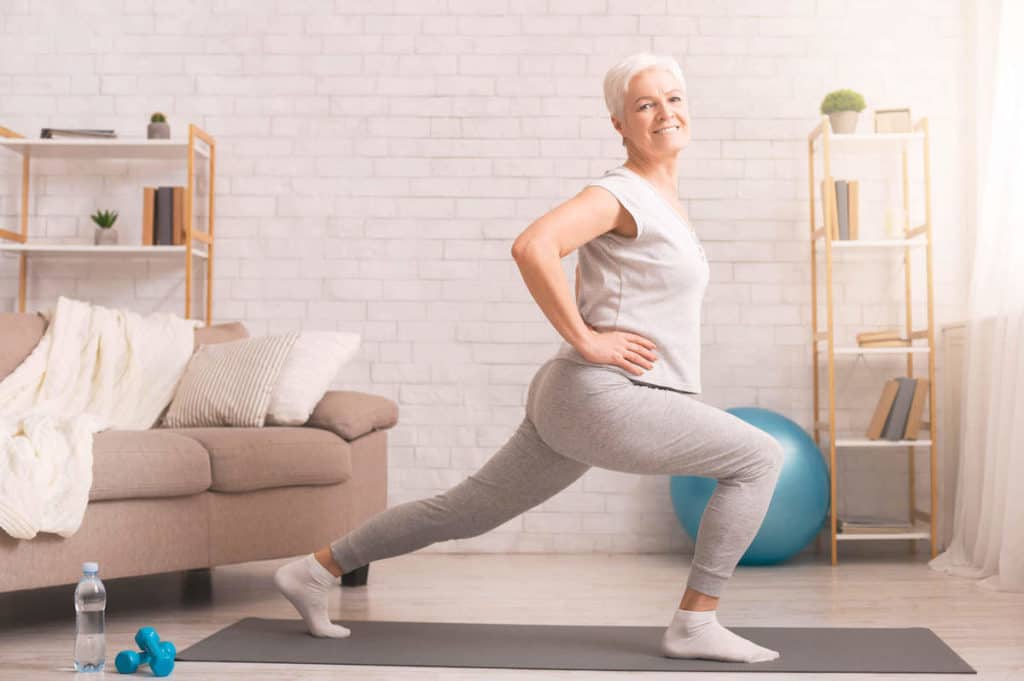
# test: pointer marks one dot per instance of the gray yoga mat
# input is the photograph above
(518, 646)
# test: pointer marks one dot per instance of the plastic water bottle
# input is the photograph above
(90, 604)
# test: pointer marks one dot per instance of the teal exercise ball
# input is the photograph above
(799, 506)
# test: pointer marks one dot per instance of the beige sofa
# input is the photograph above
(181, 499)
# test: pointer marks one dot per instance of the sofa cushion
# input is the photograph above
(142, 464)
(247, 459)
(352, 414)
(19, 335)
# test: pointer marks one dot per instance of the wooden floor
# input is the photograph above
(985, 628)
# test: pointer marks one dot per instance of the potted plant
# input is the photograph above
(158, 128)
(105, 232)
(842, 107)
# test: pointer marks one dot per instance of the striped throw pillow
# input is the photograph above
(229, 384)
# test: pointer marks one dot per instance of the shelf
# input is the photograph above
(824, 425)
(869, 140)
(918, 531)
(824, 146)
(850, 443)
(89, 249)
(876, 243)
(853, 350)
(98, 149)
(182, 151)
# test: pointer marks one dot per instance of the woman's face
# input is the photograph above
(655, 101)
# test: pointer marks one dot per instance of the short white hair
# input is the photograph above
(616, 81)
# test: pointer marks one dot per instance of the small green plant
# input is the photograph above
(842, 100)
(158, 118)
(105, 218)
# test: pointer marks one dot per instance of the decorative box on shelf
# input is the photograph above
(892, 120)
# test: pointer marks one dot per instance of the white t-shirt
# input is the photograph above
(652, 285)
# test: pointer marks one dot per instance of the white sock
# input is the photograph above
(304, 583)
(698, 634)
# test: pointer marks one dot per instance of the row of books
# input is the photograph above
(163, 216)
(890, 338)
(846, 208)
(899, 410)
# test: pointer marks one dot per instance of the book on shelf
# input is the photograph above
(872, 525)
(899, 410)
(887, 334)
(178, 216)
(896, 424)
(164, 230)
(914, 422)
(853, 194)
(843, 212)
(897, 343)
(843, 200)
(50, 133)
(163, 216)
(148, 206)
(889, 338)
(828, 206)
(882, 409)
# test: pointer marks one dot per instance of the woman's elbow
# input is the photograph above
(519, 248)
(524, 247)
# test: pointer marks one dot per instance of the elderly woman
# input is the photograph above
(618, 394)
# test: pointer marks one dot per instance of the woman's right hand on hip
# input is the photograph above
(620, 348)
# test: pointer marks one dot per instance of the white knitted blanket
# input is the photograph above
(94, 368)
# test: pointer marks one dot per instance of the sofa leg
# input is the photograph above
(356, 577)
(197, 585)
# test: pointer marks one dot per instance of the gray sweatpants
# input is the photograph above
(578, 416)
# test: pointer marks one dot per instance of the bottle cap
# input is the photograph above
(91, 567)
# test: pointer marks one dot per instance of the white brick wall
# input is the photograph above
(376, 160)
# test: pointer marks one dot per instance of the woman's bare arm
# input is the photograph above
(540, 248)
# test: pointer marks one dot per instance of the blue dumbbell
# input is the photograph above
(159, 655)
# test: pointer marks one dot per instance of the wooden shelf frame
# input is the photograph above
(86, 250)
(200, 144)
(822, 139)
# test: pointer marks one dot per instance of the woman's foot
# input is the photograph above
(305, 583)
(697, 634)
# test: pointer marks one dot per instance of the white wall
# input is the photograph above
(377, 159)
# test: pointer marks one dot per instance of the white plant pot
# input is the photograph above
(105, 236)
(843, 122)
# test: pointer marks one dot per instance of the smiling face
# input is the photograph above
(656, 119)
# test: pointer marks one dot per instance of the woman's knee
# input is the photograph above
(774, 454)
(766, 455)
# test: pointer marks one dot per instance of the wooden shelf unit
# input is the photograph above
(822, 139)
(200, 144)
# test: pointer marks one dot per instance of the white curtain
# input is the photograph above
(988, 517)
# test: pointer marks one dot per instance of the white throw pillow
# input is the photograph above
(314, 361)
